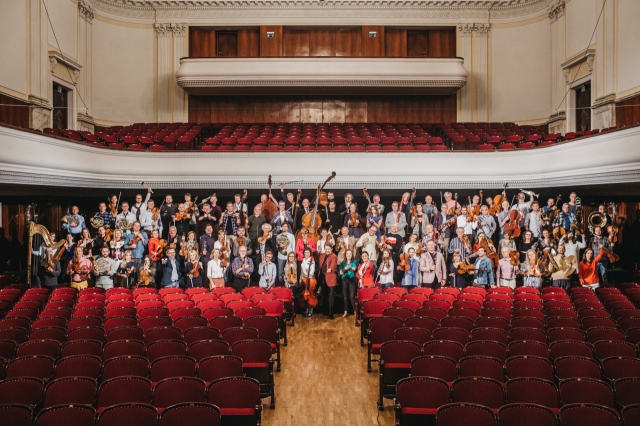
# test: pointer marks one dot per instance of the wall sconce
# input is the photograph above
(373, 34)
(271, 34)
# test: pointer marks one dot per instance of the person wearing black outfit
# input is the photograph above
(167, 214)
(98, 241)
(49, 276)
(206, 246)
(333, 218)
(207, 217)
(254, 223)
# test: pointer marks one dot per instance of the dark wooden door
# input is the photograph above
(227, 43)
(583, 108)
(60, 107)
(417, 44)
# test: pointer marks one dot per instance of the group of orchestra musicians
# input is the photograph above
(314, 246)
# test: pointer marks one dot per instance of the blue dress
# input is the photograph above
(412, 275)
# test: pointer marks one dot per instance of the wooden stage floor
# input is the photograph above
(324, 379)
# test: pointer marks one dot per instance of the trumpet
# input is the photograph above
(530, 193)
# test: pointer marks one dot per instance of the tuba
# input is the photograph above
(596, 219)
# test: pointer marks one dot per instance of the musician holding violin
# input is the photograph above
(136, 241)
(193, 270)
(242, 267)
(443, 222)
(280, 217)
(374, 218)
(507, 270)
(369, 243)
(107, 218)
(396, 217)
(457, 271)
(419, 220)
(386, 270)
(483, 270)
(410, 264)
(150, 218)
(307, 284)
(354, 221)
(49, 270)
(532, 270)
(147, 273)
(304, 242)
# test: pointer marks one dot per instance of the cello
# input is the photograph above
(312, 221)
(308, 297)
(269, 208)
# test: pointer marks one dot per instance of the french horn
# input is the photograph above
(97, 222)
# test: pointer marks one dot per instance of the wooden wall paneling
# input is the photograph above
(322, 43)
(333, 111)
(14, 112)
(417, 44)
(271, 46)
(227, 43)
(248, 43)
(311, 111)
(349, 43)
(296, 42)
(396, 43)
(319, 108)
(441, 43)
(628, 112)
(202, 43)
(373, 47)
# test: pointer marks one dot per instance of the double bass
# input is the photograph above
(308, 297)
(269, 208)
(312, 221)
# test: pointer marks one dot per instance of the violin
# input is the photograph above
(144, 277)
(355, 220)
(136, 239)
(88, 246)
(240, 241)
(403, 264)
(382, 245)
(291, 276)
(464, 268)
(420, 249)
(162, 244)
(190, 207)
(515, 258)
(613, 233)
(414, 211)
(49, 263)
(490, 251)
(108, 236)
(113, 208)
(534, 268)
(184, 250)
(466, 243)
(471, 216)
(452, 210)
(182, 216)
(195, 271)
(265, 238)
(497, 201)
(613, 257)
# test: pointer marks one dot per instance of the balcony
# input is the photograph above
(321, 75)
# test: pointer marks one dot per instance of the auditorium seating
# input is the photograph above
(320, 137)
(103, 360)
(547, 355)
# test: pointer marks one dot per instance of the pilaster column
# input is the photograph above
(464, 51)
(605, 79)
(85, 31)
(482, 71)
(557, 116)
(178, 52)
(163, 32)
(39, 76)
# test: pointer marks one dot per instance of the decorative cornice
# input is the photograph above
(556, 10)
(586, 54)
(55, 57)
(481, 29)
(86, 118)
(605, 100)
(465, 30)
(86, 11)
(199, 10)
(323, 83)
(40, 102)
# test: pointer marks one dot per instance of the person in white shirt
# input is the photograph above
(140, 206)
(267, 271)
(412, 244)
(125, 214)
(523, 206)
(146, 219)
(215, 270)
(368, 242)
(572, 244)
(466, 224)
(385, 270)
(307, 270)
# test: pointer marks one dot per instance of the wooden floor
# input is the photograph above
(324, 379)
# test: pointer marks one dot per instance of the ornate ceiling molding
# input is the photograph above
(201, 10)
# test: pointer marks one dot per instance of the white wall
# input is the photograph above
(628, 44)
(13, 45)
(64, 18)
(123, 73)
(581, 20)
(520, 77)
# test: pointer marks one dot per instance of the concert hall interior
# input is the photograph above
(373, 212)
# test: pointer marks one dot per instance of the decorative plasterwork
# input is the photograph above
(55, 57)
(610, 158)
(178, 29)
(586, 54)
(35, 100)
(556, 9)
(86, 11)
(466, 30)
(199, 10)
(162, 30)
(481, 29)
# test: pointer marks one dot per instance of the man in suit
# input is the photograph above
(395, 217)
(433, 268)
(445, 233)
(280, 217)
(344, 240)
(171, 276)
